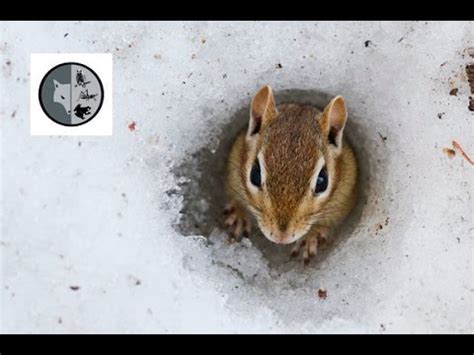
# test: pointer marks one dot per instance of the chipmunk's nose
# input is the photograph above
(282, 236)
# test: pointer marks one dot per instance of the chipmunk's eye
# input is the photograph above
(255, 175)
(322, 181)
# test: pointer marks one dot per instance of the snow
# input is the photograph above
(131, 219)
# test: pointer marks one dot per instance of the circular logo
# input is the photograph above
(71, 94)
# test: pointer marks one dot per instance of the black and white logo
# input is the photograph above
(71, 94)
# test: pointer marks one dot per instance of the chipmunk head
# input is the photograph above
(291, 166)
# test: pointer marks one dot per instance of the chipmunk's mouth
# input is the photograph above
(279, 237)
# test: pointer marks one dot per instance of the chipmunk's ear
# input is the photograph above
(333, 121)
(262, 110)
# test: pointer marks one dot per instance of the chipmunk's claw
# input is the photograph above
(295, 251)
(322, 241)
(236, 223)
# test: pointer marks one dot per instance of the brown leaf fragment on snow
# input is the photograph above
(451, 153)
(132, 126)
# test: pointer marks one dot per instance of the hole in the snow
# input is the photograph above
(204, 190)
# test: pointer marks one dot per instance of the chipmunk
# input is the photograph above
(293, 171)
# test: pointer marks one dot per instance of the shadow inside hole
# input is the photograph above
(203, 189)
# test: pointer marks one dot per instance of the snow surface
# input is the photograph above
(131, 219)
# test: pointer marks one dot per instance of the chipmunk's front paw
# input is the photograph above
(318, 239)
(308, 245)
(236, 222)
